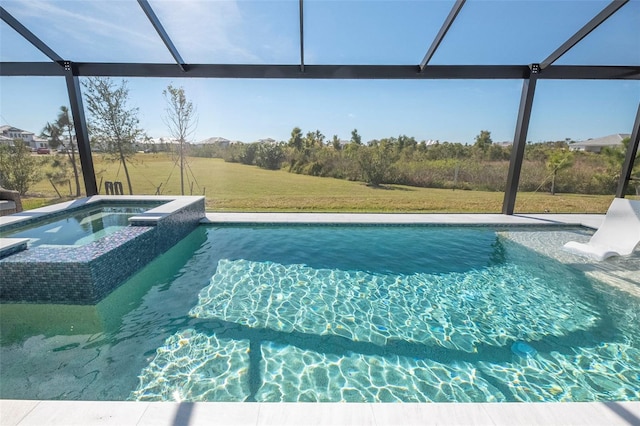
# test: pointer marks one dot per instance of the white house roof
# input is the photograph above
(266, 140)
(611, 140)
(6, 128)
(215, 139)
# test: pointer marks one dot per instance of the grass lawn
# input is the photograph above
(236, 187)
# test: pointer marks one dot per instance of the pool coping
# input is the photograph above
(587, 220)
(12, 243)
(117, 413)
(28, 412)
(171, 204)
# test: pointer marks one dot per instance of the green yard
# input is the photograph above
(236, 187)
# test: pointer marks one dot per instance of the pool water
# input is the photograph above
(78, 228)
(336, 313)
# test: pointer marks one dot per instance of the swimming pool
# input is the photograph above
(332, 313)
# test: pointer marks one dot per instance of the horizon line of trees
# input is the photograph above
(114, 129)
(548, 166)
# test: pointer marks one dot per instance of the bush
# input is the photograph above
(18, 169)
(247, 154)
(375, 164)
(270, 156)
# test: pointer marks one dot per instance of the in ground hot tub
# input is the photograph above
(79, 252)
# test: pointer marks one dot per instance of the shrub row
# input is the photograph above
(444, 165)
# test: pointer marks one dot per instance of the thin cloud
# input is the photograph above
(80, 21)
(204, 30)
(229, 31)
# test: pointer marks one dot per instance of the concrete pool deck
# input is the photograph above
(87, 413)
(21, 412)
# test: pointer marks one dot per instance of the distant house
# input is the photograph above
(222, 142)
(9, 133)
(596, 145)
(269, 141)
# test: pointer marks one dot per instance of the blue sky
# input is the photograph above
(337, 32)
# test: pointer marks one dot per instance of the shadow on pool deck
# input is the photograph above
(183, 414)
(621, 411)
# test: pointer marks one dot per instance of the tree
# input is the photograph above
(355, 137)
(18, 169)
(248, 153)
(615, 158)
(59, 174)
(483, 140)
(314, 139)
(406, 142)
(295, 140)
(269, 156)
(181, 121)
(335, 142)
(112, 124)
(61, 133)
(319, 138)
(375, 163)
(497, 153)
(556, 161)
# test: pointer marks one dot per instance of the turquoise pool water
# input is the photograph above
(77, 228)
(324, 313)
